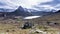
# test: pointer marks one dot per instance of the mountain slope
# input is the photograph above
(18, 12)
(53, 19)
(40, 13)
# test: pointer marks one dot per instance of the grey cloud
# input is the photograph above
(53, 3)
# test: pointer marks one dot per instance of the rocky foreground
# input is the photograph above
(49, 24)
(13, 26)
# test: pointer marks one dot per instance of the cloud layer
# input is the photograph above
(31, 4)
(53, 5)
(23, 3)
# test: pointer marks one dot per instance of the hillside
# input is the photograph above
(49, 23)
(49, 20)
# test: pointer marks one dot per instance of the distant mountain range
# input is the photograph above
(40, 13)
(24, 12)
(6, 10)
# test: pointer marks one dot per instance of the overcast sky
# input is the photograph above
(35, 4)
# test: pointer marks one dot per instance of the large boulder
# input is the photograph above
(27, 25)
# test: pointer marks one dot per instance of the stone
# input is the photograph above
(27, 25)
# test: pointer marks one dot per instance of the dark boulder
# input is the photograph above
(27, 25)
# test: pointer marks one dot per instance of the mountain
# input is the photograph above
(6, 10)
(18, 12)
(52, 20)
(51, 17)
(40, 13)
(25, 12)
(58, 11)
(21, 12)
